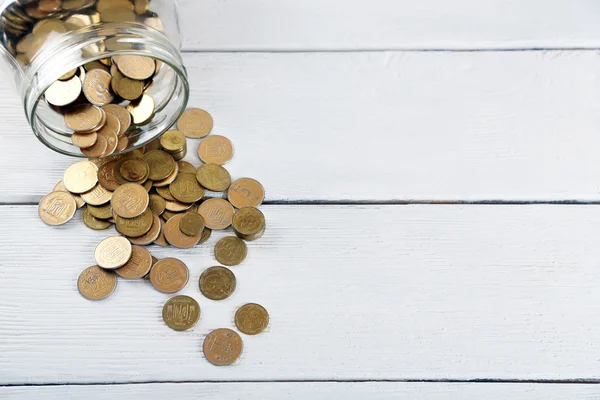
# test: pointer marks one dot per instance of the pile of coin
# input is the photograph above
(152, 198)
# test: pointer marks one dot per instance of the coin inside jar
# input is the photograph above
(62, 93)
(217, 213)
(222, 347)
(195, 123)
(84, 118)
(181, 313)
(138, 266)
(95, 283)
(84, 140)
(112, 252)
(169, 275)
(231, 251)
(96, 87)
(213, 177)
(57, 208)
(97, 149)
(141, 110)
(215, 150)
(251, 319)
(122, 115)
(136, 67)
(217, 283)
(246, 192)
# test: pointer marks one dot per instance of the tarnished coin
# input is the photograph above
(97, 196)
(222, 347)
(165, 193)
(84, 118)
(122, 115)
(80, 177)
(84, 140)
(191, 224)
(150, 236)
(172, 140)
(95, 283)
(157, 204)
(141, 110)
(94, 223)
(213, 177)
(251, 319)
(169, 275)
(215, 150)
(195, 123)
(57, 208)
(217, 213)
(134, 170)
(246, 192)
(130, 200)
(186, 188)
(186, 167)
(161, 164)
(205, 235)
(98, 149)
(138, 265)
(112, 252)
(177, 238)
(96, 87)
(106, 176)
(135, 227)
(136, 67)
(217, 283)
(62, 93)
(231, 251)
(129, 89)
(248, 222)
(60, 187)
(181, 313)
(169, 179)
(101, 212)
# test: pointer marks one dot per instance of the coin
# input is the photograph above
(251, 319)
(135, 227)
(186, 189)
(68, 75)
(112, 122)
(169, 179)
(84, 118)
(94, 223)
(205, 235)
(141, 110)
(97, 196)
(195, 123)
(84, 140)
(60, 187)
(129, 89)
(181, 313)
(112, 252)
(96, 87)
(122, 144)
(57, 208)
(217, 283)
(161, 164)
(160, 240)
(165, 193)
(95, 283)
(231, 251)
(157, 204)
(169, 275)
(136, 67)
(101, 212)
(111, 140)
(62, 93)
(172, 140)
(138, 265)
(122, 115)
(134, 170)
(248, 222)
(130, 200)
(177, 238)
(98, 149)
(176, 206)
(246, 192)
(150, 236)
(215, 150)
(217, 213)
(213, 177)
(106, 176)
(80, 177)
(191, 224)
(222, 347)
(186, 167)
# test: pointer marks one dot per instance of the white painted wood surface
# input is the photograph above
(308, 390)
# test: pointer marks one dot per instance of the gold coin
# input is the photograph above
(112, 252)
(104, 5)
(95, 283)
(111, 140)
(181, 313)
(122, 115)
(68, 75)
(248, 222)
(246, 192)
(161, 164)
(205, 235)
(215, 150)
(169, 179)
(186, 167)
(172, 140)
(101, 212)
(98, 149)
(60, 187)
(154, 261)
(165, 193)
(134, 170)
(92, 65)
(153, 145)
(231, 251)
(177, 238)
(84, 140)
(112, 122)
(94, 223)
(129, 89)
(80, 177)
(62, 93)
(217, 213)
(222, 347)
(191, 224)
(106, 61)
(96, 87)
(130, 170)
(176, 206)
(251, 319)
(186, 189)
(167, 215)
(195, 123)
(106, 176)
(135, 227)
(130, 200)
(136, 67)
(157, 204)
(141, 6)
(150, 236)
(138, 265)
(213, 177)
(57, 208)
(97, 196)
(160, 240)
(84, 118)
(217, 283)
(122, 144)
(141, 110)
(169, 275)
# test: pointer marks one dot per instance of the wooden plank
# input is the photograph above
(276, 25)
(354, 293)
(308, 390)
(379, 126)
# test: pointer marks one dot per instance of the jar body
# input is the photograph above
(42, 40)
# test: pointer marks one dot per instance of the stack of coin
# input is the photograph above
(174, 143)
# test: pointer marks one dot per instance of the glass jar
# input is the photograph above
(42, 40)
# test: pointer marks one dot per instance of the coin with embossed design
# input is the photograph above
(246, 192)
(176, 237)
(138, 266)
(231, 251)
(222, 346)
(217, 283)
(95, 283)
(251, 319)
(96, 87)
(195, 123)
(161, 164)
(136, 226)
(213, 177)
(186, 188)
(249, 223)
(215, 150)
(169, 275)
(57, 208)
(217, 213)
(112, 252)
(130, 200)
(97, 196)
(80, 177)
(181, 313)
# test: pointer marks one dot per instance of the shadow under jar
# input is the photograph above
(45, 41)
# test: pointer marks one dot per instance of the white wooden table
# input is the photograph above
(432, 170)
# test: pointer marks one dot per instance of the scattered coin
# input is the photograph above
(112, 252)
(222, 347)
(80, 177)
(161, 164)
(57, 208)
(95, 283)
(101, 212)
(94, 223)
(97, 196)
(206, 233)
(186, 189)
(195, 123)
(191, 224)
(249, 223)
(157, 204)
(150, 236)
(246, 192)
(138, 266)
(130, 200)
(231, 251)
(217, 283)
(169, 275)
(136, 226)
(217, 213)
(215, 150)
(251, 319)
(60, 187)
(213, 177)
(176, 237)
(186, 167)
(181, 313)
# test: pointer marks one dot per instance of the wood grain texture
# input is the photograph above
(307, 390)
(286, 25)
(379, 126)
(354, 292)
